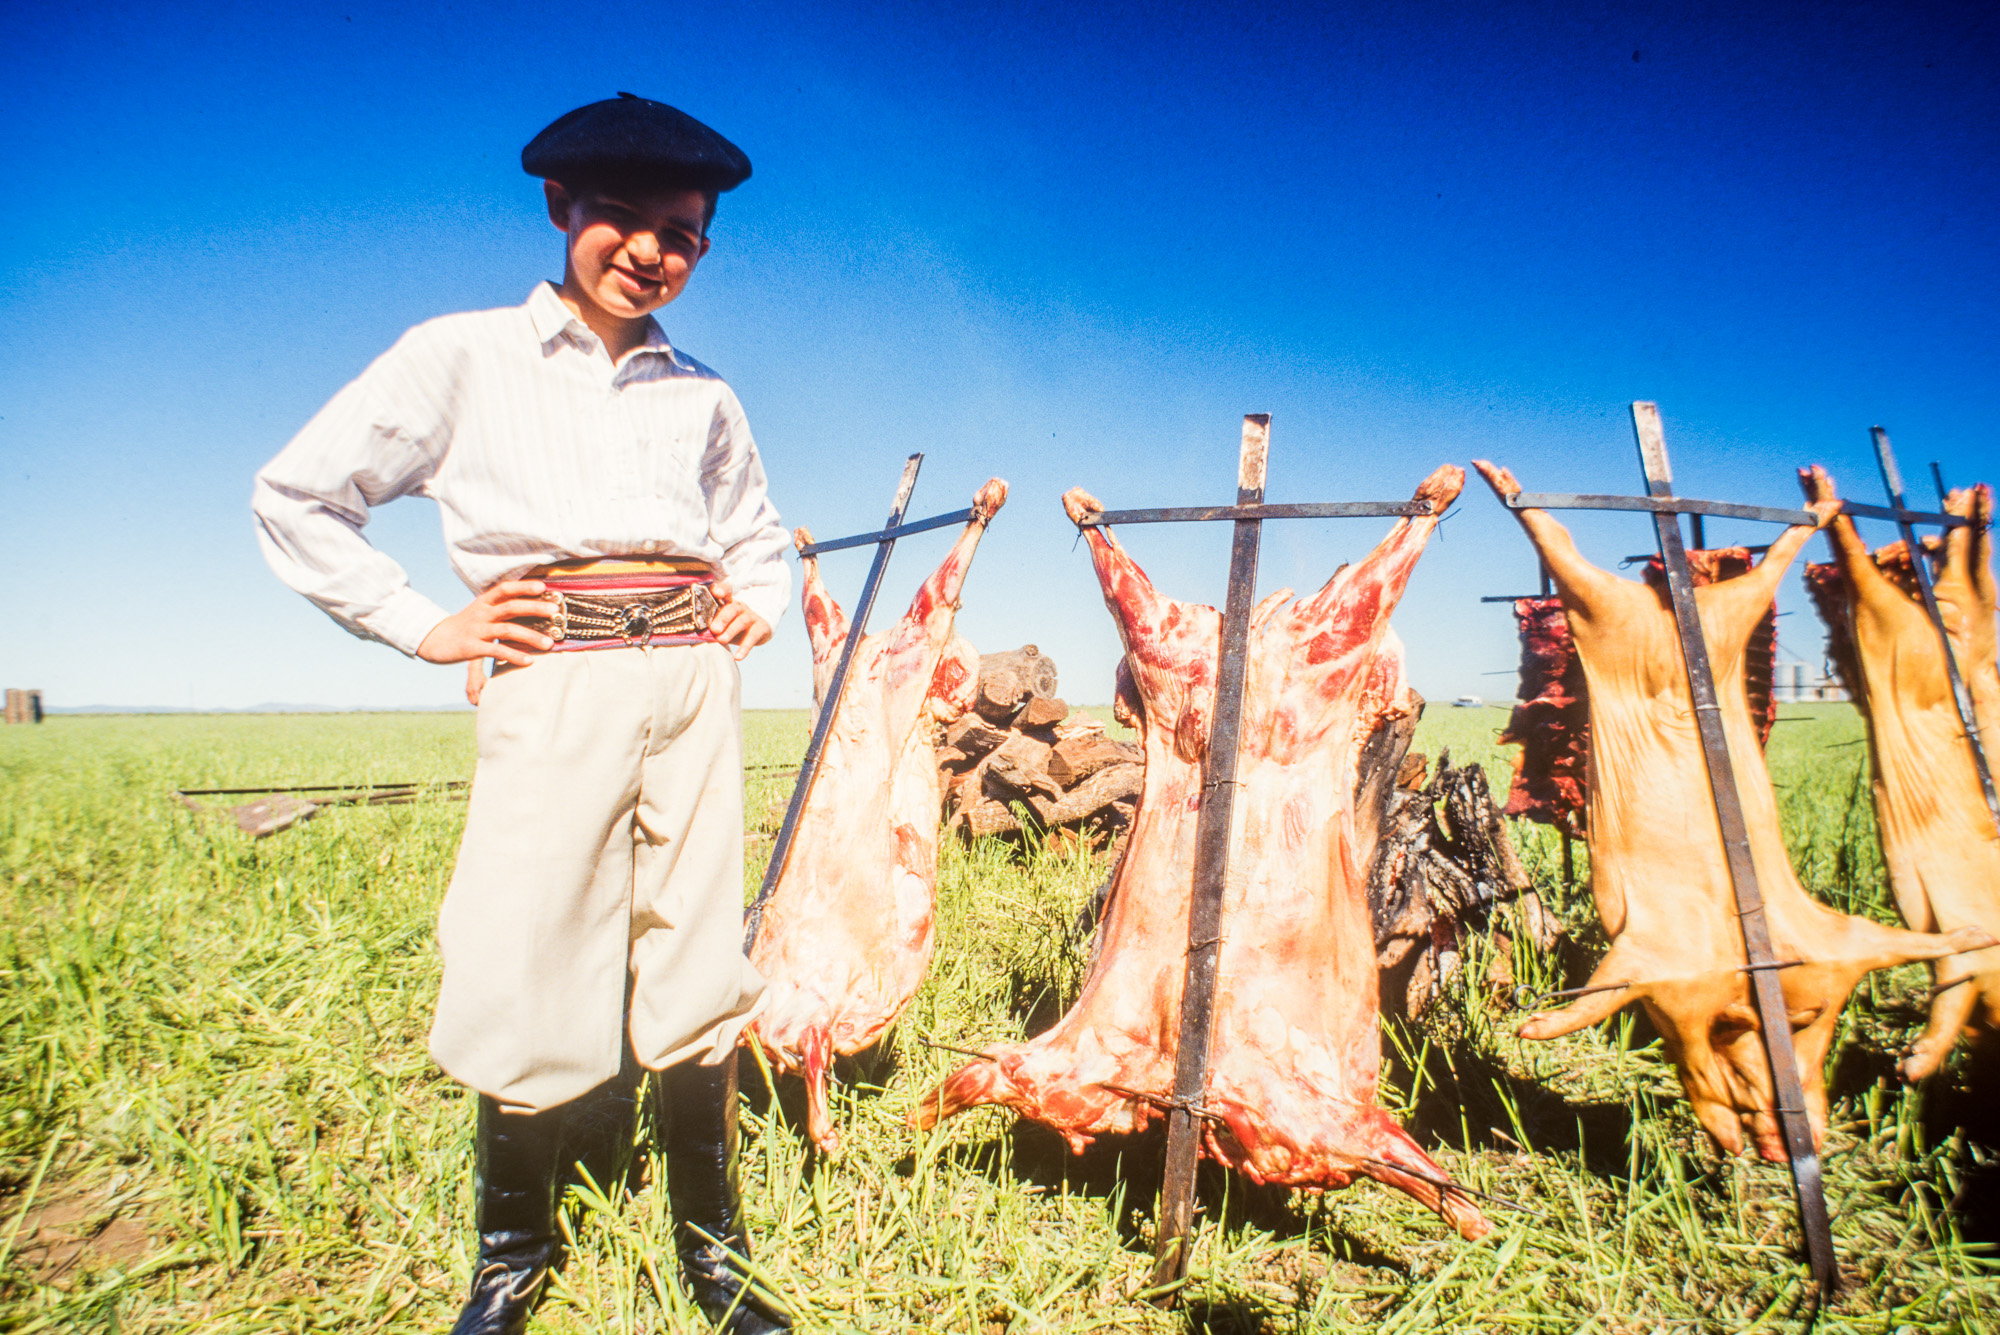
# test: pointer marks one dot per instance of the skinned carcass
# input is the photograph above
(1658, 870)
(1551, 725)
(848, 930)
(1291, 1086)
(1938, 838)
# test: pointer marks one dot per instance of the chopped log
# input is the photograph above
(1036, 671)
(1069, 838)
(1022, 763)
(960, 794)
(1079, 725)
(999, 699)
(1041, 712)
(988, 817)
(973, 736)
(1006, 681)
(1076, 758)
(1021, 767)
(1109, 787)
(965, 791)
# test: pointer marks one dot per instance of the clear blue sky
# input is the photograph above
(1062, 245)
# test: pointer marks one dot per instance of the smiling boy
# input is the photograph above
(601, 494)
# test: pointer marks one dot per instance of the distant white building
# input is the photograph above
(1798, 682)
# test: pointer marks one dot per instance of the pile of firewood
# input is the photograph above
(1021, 763)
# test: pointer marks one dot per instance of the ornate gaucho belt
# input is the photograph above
(613, 605)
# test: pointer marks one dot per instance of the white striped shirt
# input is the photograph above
(536, 449)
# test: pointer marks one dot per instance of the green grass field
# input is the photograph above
(216, 1113)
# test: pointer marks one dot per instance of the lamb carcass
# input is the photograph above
(848, 930)
(1938, 838)
(1291, 1087)
(1657, 865)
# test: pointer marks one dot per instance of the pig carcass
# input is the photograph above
(1938, 838)
(1291, 1085)
(848, 930)
(1657, 865)
(1551, 724)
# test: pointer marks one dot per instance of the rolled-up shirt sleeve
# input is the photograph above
(741, 518)
(376, 440)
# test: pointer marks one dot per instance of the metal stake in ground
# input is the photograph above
(884, 542)
(1772, 1017)
(1211, 865)
(1218, 787)
(1892, 481)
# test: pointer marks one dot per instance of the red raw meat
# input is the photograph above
(848, 930)
(1291, 1090)
(1551, 725)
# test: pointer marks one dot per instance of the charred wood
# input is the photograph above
(1444, 863)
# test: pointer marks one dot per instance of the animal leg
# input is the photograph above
(1950, 1012)
(975, 1083)
(826, 624)
(1592, 1007)
(1396, 1161)
(1580, 583)
(816, 1050)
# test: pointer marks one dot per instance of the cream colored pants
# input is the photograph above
(604, 841)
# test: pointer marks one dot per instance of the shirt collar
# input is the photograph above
(656, 340)
(549, 316)
(552, 320)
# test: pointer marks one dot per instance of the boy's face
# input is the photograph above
(630, 251)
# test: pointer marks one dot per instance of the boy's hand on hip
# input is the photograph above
(735, 625)
(486, 629)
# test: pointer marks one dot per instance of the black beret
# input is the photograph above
(636, 136)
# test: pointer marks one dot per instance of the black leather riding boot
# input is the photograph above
(599, 1132)
(519, 1157)
(695, 1110)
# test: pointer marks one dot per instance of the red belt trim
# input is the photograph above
(623, 583)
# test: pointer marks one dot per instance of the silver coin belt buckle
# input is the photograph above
(627, 618)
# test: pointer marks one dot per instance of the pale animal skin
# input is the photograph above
(1658, 871)
(1297, 1048)
(848, 931)
(1938, 838)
